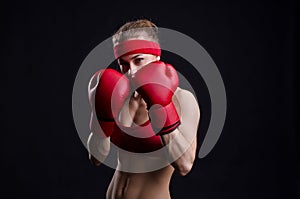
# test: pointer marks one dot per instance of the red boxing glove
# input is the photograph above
(137, 138)
(108, 90)
(157, 82)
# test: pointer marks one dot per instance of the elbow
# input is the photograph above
(94, 160)
(184, 169)
(184, 164)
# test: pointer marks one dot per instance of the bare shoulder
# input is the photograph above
(185, 101)
(183, 94)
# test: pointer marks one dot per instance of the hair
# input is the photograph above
(136, 29)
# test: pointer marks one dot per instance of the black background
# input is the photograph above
(253, 43)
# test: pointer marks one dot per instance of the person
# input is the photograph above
(145, 100)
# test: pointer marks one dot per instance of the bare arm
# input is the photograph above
(183, 140)
(98, 146)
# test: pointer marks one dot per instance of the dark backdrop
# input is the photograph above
(253, 43)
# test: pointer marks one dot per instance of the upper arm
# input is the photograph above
(189, 112)
(93, 83)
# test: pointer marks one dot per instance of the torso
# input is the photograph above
(140, 185)
(124, 185)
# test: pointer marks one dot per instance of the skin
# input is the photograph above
(153, 184)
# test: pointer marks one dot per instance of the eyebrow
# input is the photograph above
(135, 56)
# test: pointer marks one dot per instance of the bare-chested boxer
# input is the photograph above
(156, 107)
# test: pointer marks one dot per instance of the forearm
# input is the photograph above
(98, 148)
(182, 149)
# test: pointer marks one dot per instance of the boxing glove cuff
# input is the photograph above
(102, 128)
(164, 119)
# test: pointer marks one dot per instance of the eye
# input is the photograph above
(138, 61)
(124, 68)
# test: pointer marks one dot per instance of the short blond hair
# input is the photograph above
(136, 29)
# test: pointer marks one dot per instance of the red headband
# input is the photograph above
(137, 46)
